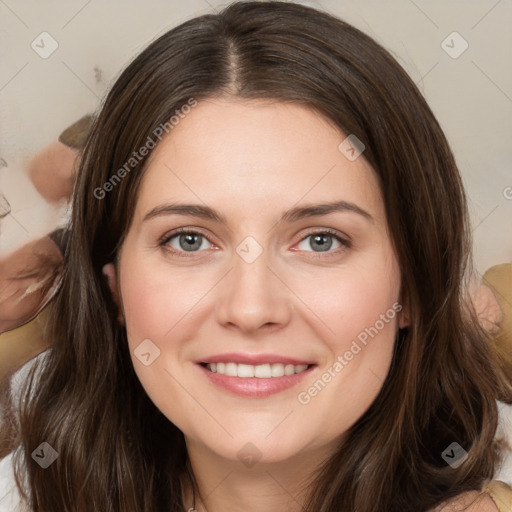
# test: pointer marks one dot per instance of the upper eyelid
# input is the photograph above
(186, 231)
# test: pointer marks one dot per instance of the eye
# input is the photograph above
(184, 241)
(323, 241)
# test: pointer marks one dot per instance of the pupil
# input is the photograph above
(320, 241)
(189, 239)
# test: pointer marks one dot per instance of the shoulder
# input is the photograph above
(473, 501)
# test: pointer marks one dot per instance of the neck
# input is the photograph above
(229, 486)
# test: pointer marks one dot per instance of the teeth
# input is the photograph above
(244, 370)
(231, 370)
(261, 371)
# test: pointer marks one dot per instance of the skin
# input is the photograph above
(470, 502)
(26, 276)
(251, 161)
(52, 171)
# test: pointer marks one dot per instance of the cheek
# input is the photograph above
(361, 316)
(156, 299)
(361, 309)
(349, 303)
(358, 309)
(157, 303)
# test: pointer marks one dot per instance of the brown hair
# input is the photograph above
(117, 451)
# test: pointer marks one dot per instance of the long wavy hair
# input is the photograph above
(117, 451)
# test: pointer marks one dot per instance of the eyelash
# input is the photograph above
(346, 244)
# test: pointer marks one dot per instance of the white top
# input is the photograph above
(505, 432)
(10, 500)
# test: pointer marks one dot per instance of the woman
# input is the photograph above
(207, 355)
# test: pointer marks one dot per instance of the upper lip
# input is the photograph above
(253, 359)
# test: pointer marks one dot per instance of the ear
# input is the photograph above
(404, 319)
(110, 271)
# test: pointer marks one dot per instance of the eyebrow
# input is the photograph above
(292, 215)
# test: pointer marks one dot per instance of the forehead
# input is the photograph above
(255, 153)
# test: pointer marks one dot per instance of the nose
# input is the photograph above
(254, 297)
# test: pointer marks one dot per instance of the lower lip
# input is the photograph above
(254, 386)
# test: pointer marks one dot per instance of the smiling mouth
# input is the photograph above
(261, 371)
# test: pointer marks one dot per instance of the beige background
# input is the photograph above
(471, 95)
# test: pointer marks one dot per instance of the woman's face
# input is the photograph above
(270, 280)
